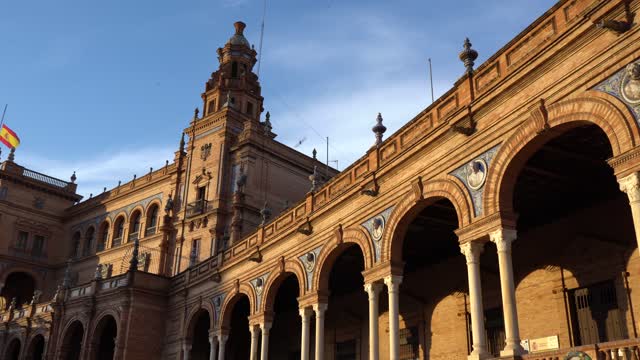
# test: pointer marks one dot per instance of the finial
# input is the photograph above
(182, 143)
(313, 180)
(150, 170)
(379, 129)
(119, 182)
(265, 212)
(12, 155)
(169, 205)
(227, 103)
(66, 280)
(468, 55)
(104, 189)
(133, 263)
(314, 153)
(239, 25)
(73, 177)
(267, 124)
(36, 297)
(134, 177)
(195, 114)
(90, 195)
(166, 163)
(98, 274)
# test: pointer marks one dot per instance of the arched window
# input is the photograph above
(134, 226)
(234, 69)
(75, 245)
(88, 241)
(104, 236)
(118, 231)
(152, 220)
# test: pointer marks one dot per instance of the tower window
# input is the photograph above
(249, 108)
(234, 69)
(212, 106)
(23, 236)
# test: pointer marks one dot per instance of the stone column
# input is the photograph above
(305, 314)
(264, 351)
(222, 341)
(373, 290)
(472, 251)
(213, 342)
(186, 350)
(254, 342)
(393, 287)
(631, 186)
(503, 238)
(319, 309)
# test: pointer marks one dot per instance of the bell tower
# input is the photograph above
(234, 84)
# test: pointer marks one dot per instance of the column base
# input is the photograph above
(477, 356)
(512, 350)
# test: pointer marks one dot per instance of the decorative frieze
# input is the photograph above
(625, 85)
(309, 261)
(376, 226)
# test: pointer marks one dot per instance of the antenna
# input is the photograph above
(327, 158)
(4, 112)
(335, 161)
(264, 14)
(430, 78)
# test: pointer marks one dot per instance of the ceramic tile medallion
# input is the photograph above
(376, 227)
(474, 176)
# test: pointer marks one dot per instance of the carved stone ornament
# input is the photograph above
(631, 186)
(378, 228)
(309, 261)
(38, 203)
(105, 271)
(205, 151)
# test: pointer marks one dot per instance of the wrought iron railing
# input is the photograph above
(44, 178)
(197, 207)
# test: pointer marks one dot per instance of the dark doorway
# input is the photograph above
(201, 348)
(13, 350)
(72, 342)
(107, 332)
(284, 338)
(37, 348)
(19, 285)
(239, 343)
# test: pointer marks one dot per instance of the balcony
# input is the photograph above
(133, 236)
(117, 241)
(150, 231)
(197, 207)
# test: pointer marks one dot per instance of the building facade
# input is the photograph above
(502, 221)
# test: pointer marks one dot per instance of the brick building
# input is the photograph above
(502, 221)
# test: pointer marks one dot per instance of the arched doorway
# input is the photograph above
(575, 237)
(346, 322)
(284, 338)
(430, 301)
(200, 346)
(238, 345)
(13, 350)
(18, 285)
(104, 338)
(36, 348)
(72, 341)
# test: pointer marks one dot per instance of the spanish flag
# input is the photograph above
(8, 137)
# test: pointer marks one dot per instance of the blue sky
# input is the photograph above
(105, 88)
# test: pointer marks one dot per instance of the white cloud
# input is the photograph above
(104, 170)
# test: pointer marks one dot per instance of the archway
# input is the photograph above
(284, 338)
(104, 338)
(72, 341)
(239, 343)
(430, 301)
(200, 346)
(574, 236)
(18, 285)
(346, 321)
(36, 348)
(13, 350)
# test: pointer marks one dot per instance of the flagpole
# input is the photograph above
(4, 112)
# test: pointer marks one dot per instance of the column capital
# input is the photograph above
(472, 250)
(393, 282)
(305, 313)
(265, 326)
(320, 308)
(630, 185)
(373, 289)
(503, 238)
